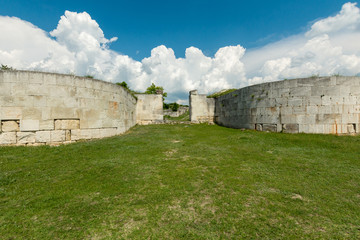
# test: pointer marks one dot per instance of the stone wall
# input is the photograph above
(179, 112)
(202, 109)
(309, 105)
(45, 108)
(149, 109)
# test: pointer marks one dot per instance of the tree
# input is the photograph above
(156, 90)
(6, 68)
(124, 85)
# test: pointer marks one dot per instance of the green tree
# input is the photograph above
(156, 90)
(6, 68)
(123, 84)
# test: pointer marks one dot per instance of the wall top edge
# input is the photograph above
(57, 74)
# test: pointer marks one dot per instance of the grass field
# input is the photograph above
(184, 182)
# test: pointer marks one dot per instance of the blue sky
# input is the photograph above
(182, 45)
(205, 24)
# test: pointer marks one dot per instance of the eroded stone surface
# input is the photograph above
(9, 126)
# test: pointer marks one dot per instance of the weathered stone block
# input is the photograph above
(57, 136)
(29, 125)
(42, 136)
(46, 125)
(67, 135)
(67, 124)
(9, 126)
(270, 127)
(290, 128)
(10, 113)
(25, 137)
(8, 138)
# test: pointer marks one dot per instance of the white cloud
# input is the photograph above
(78, 45)
(348, 19)
(331, 46)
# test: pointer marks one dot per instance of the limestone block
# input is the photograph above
(39, 101)
(10, 126)
(25, 137)
(29, 125)
(57, 136)
(290, 118)
(258, 127)
(42, 136)
(46, 125)
(295, 102)
(63, 113)
(36, 77)
(67, 135)
(290, 128)
(305, 119)
(326, 100)
(31, 113)
(303, 128)
(50, 79)
(67, 124)
(311, 110)
(108, 132)
(79, 134)
(36, 89)
(10, 113)
(270, 127)
(300, 91)
(7, 138)
(5, 88)
(14, 89)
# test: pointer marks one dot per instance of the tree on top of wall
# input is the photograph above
(6, 68)
(155, 90)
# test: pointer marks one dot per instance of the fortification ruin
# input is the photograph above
(45, 108)
(329, 105)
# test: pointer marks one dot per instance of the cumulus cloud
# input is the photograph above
(331, 46)
(78, 45)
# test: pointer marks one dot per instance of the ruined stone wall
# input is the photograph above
(309, 105)
(149, 109)
(179, 112)
(202, 109)
(45, 108)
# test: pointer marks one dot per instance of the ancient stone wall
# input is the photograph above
(45, 108)
(309, 105)
(202, 109)
(149, 109)
(179, 112)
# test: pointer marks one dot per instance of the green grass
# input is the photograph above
(181, 118)
(184, 182)
(221, 93)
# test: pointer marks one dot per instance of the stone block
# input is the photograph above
(67, 124)
(67, 135)
(10, 126)
(57, 136)
(290, 128)
(31, 113)
(258, 127)
(29, 125)
(46, 125)
(42, 136)
(11, 113)
(25, 137)
(7, 138)
(270, 127)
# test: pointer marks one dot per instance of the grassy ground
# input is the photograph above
(183, 182)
